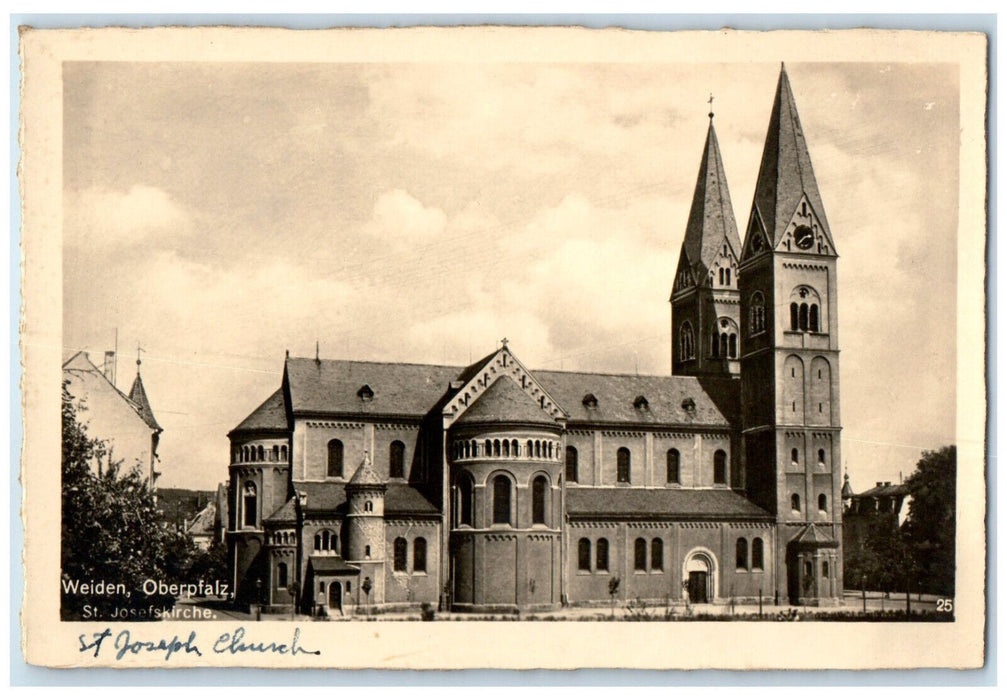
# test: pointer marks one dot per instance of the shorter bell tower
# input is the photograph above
(365, 500)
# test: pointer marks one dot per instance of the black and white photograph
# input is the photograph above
(423, 330)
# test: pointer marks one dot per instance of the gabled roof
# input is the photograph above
(139, 397)
(711, 219)
(79, 365)
(505, 402)
(401, 499)
(716, 400)
(813, 536)
(661, 504)
(270, 415)
(331, 386)
(785, 174)
(331, 564)
(885, 489)
(204, 521)
(284, 514)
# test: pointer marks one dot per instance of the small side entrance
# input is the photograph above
(336, 596)
(698, 587)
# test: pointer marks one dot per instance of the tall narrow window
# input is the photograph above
(571, 463)
(283, 452)
(622, 460)
(674, 466)
(249, 504)
(281, 575)
(419, 555)
(715, 345)
(721, 276)
(727, 276)
(821, 457)
(795, 503)
(335, 464)
(823, 502)
(794, 316)
(825, 569)
(276, 453)
(686, 341)
(813, 319)
(757, 314)
(640, 554)
(803, 317)
(656, 554)
(741, 554)
(732, 346)
(501, 500)
(262, 453)
(396, 460)
(720, 467)
(795, 456)
(601, 555)
(399, 554)
(757, 553)
(584, 554)
(465, 496)
(539, 492)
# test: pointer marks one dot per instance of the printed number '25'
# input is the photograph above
(945, 605)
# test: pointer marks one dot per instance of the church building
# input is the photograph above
(496, 487)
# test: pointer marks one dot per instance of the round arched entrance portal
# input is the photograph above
(700, 576)
(336, 596)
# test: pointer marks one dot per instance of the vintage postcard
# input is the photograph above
(503, 348)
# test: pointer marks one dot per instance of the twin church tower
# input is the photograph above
(496, 487)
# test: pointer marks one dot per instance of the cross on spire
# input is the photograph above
(504, 341)
(710, 102)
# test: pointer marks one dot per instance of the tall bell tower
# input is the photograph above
(790, 363)
(705, 338)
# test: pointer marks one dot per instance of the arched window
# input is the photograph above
(249, 504)
(281, 575)
(757, 313)
(399, 554)
(283, 452)
(489, 448)
(721, 271)
(720, 467)
(674, 466)
(715, 345)
(825, 569)
(794, 320)
(727, 276)
(419, 555)
(261, 453)
(803, 317)
(539, 490)
(396, 460)
(741, 554)
(622, 463)
(496, 448)
(601, 555)
(326, 541)
(805, 310)
(571, 463)
(335, 464)
(530, 451)
(501, 500)
(584, 554)
(757, 553)
(823, 502)
(514, 448)
(795, 503)
(732, 346)
(813, 319)
(795, 456)
(656, 554)
(640, 554)
(821, 458)
(369, 506)
(276, 453)
(687, 342)
(466, 490)
(506, 448)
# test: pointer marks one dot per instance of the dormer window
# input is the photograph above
(640, 403)
(689, 404)
(590, 401)
(365, 393)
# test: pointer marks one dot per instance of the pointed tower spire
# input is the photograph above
(711, 218)
(785, 174)
(138, 395)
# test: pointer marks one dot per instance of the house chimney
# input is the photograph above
(878, 483)
(888, 483)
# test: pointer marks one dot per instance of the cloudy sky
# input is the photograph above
(219, 214)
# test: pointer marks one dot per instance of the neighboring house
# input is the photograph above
(496, 487)
(124, 423)
(203, 528)
(876, 511)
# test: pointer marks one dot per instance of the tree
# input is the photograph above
(111, 533)
(930, 526)
(613, 590)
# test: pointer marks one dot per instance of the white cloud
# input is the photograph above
(401, 219)
(99, 216)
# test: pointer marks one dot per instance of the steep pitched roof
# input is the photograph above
(204, 521)
(785, 174)
(331, 386)
(331, 564)
(505, 402)
(659, 504)
(813, 536)
(284, 514)
(711, 218)
(139, 397)
(365, 474)
(330, 497)
(79, 365)
(401, 499)
(270, 415)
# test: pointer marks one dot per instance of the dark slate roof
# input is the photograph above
(365, 474)
(284, 514)
(711, 219)
(332, 564)
(785, 174)
(331, 386)
(814, 536)
(330, 497)
(847, 489)
(716, 400)
(401, 499)
(270, 415)
(672, 504)
(139, 397)
(885, 489)
(505, 402)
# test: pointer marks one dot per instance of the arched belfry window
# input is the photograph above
(396, 460)
(335, 463)
(249, 503)
(501, 500)
(805, 310)
(757, 313)
(687, 342)
(326, 541)
(622, 465)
